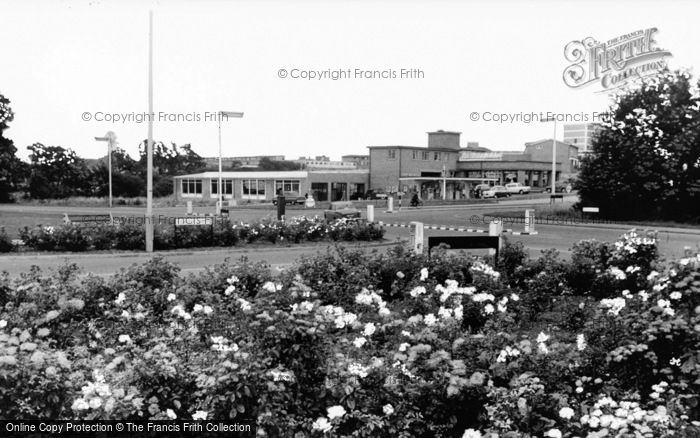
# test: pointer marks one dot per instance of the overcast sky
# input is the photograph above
(61, 59)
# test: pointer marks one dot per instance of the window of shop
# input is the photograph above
(436, 156)
(339, 191)
(191, 186)
(319, 191)
(357, 191)
(415, 154)
(227, 183)
(253, 189)
(425, 155)
(391, 154)
(287, 186)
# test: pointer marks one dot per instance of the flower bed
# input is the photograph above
(382, 345)
(222, 233)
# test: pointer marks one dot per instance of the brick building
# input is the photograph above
(445, 170)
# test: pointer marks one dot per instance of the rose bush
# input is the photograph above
(130, 236)
(347, 343)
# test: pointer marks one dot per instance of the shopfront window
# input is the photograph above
(191, 187)
(287, 186)
(227, 183)
(339, 191)
(319, 191)
(357, 191)
(253, 189)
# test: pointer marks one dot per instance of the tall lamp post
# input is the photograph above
(554, 153)
(111, 140)
(149, 144)
(221, 115)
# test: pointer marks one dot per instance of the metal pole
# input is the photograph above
(149, 145)
(444, 183)
(109, 164)
(221, 191)
(554, 156)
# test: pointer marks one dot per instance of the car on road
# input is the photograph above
(496, 192)
(341, 210)
(479, 189)
(517, 188)
(374, 194)
(291, 198)
(560, 188)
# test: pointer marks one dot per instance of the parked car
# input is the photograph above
(374, 194)
(341, 210)
(517, 188)
(496, 192)
(560, 188)
(479, 189)
(291, 198)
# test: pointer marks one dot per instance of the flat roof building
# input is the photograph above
(323, 185)
(444, 170)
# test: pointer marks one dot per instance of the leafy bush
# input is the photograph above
(5, 241)
(364, 344)
(131, 236)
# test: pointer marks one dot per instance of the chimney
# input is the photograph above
(443, 139)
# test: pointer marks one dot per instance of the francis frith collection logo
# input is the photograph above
(615, 62)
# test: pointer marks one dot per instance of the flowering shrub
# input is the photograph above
(129, 236)
(347, 343)
(5, 241)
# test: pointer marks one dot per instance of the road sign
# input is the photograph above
(591, 210)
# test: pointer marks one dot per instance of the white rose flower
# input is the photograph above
(369, 329)
(200, 415)
(423, 274)
(471, 433)
(566, 413)
(322, 424)
(95, 402)
(430, 319)
(171, 297)
(171, 414)
(198, 308)
(553, 433)
(3, 323)
(208, 310)
(388, 409)
(336, 411)
(359, 342)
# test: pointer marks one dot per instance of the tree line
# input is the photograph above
(58, 172)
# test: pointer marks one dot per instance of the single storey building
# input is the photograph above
(323, 185)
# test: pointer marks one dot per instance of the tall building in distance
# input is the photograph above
(581, 135)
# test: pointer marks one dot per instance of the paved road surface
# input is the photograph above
(562, 237)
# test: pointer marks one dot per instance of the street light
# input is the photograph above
(111, 140)
(554, 152)
(149, 144)
(222, 114)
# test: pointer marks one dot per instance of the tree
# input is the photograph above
(12, 169)
(56, 172)
(267, 164)
(171, 160)
(646, 160)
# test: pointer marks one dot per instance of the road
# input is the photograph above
(561, 236)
